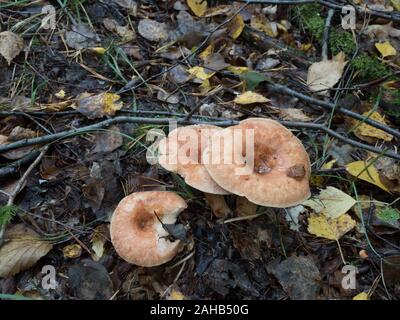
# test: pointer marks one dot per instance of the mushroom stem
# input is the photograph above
(218, 205)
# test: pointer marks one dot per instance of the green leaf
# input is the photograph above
(253, 79)
(389, 215)
(7, 213)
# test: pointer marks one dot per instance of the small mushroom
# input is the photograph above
(137, 227)
(181, 152)
(261, 160)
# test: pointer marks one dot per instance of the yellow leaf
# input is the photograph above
(359, 169)
(60, 94)
(385, 49)
(236, 26)
(250, 97)
(176, 295)
(361, 296)
(260, 22)
(198, 7)
(200, 73)
(111, 104)
(98, 241)
(207, 51)
(98, 50)
(238, 70)
(396, 4)
(305, 47)
(329, 164)
(364, 130)
(331, 202)
(72, 251)
(332, 229)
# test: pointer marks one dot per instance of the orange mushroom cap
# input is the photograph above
(277, 168)
(138, 235)
(181, 152)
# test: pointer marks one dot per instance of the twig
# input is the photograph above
(15, 166)
(19, 186)
(325, 40)
(330, 4)
(165, 121)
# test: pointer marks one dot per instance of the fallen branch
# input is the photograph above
(13, 168)
(325, 40)
(19, 186)
(181, 121)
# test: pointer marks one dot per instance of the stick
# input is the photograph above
(19, 186)
(326, 34)
(165, 121)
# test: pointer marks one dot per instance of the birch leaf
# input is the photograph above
(332, 229)
(359, 169)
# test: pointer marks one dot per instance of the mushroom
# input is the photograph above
(137, 230)
(261, 160)
(181, 152)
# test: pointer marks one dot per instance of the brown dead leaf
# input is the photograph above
(153, 30)
(22, 251)
(99, 238)
(99, 105)
(11, 45)
(325, 74)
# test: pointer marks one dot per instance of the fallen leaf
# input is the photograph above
(123, 31)
(200, 73)
(250, 97)
(60, 94)
(385, 49)
(173, 98)
(198, 7)
(361, 296)
(381, 31)
(253, 79)
(389, 173)
(80, 37)
(292, 216)
(153, 30)
(331, 202)
(238, 70)
(99, 105)
(18, 133)
(328, 165)
(107, 141)
(293, 114)
(218, 205)
(359, 169)
(98, 241)
(365, 131)
(332, 229)
(72, 251)
(176, 295)
(396, 4)
(22, 251)
(236, 26)
(325, 74)
(299, 277)
(207, 51)
(261, 23)
(244, 207)
(11, 45)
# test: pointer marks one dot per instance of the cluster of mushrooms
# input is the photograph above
(268, 167)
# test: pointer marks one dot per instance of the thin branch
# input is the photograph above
(326, 34)
(20, 185)
(181, 121)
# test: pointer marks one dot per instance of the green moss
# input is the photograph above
(342, 41)
(310, 16)
(369, 68)
(389, 215)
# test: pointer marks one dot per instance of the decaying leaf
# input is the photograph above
(18, 133)
(261, 23)
(331, 202)
(366, 172)
(123, 31)
(218, 205)
(325, 74)
(293, 114)
(244, 207)
(22, 251)
(381, 31)
(99, 238)
(11, 45)
(250, 97)
(72, 251)
(153, 30)
(81, 36)
(200, 73)
(389, 173)
(385, 49)
(236, 26)
(365, 131)
(198, 7)
(332, 229)
(99, 105)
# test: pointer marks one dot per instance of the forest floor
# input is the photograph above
(83, 82)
